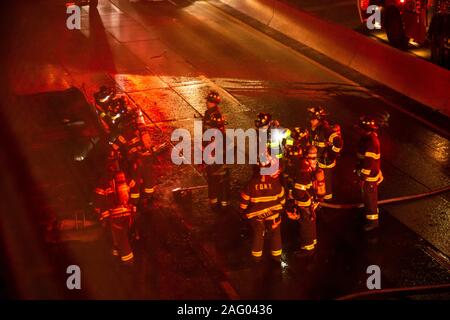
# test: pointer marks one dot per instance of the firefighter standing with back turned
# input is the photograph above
(112, 203)
(212, 106)
(261, 202)
(328, 141)
(218, 175)
(368, 169)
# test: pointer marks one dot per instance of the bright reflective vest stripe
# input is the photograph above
(336, 149)
(303, 203)
(326, 166)
(277, 253)
(257, 253)
(379, 176)
(375, 156)
(302, 186)
(268, 198)
(127, 257)
(272, 209)
(244, 196)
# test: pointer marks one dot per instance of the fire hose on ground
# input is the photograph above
(386, 201)
(186, 192)
(395, 292)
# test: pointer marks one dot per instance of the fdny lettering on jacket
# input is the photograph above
(263, 186)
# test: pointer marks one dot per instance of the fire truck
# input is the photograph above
(422, 21)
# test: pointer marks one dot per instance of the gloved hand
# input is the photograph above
(293, 215)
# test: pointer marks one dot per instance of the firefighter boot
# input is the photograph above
(371, 225)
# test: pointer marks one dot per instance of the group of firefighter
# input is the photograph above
(304, 157)
(129, 182)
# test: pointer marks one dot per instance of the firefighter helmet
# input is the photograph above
(104, 96)
(263, 119)
(318, 113)
(267, 161)
(216, 120)
(213, 97)
(368, 123)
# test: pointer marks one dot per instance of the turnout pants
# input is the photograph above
(307, 225)
(328, 173)
(120, 237)
(260, 227)
(218, 186)
(370, 198)
(144, 179)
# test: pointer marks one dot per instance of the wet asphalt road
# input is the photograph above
(166, 56)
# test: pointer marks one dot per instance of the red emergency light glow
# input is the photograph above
(364, 4)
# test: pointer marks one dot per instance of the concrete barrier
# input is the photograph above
(413, 77)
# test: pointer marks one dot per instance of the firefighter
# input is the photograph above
(112, 203)
(300, 138)
(294, 153)
(213, 100)
(278, 140)
(128, 144)
(103, 99)
(261, 202)
(117, 110)
(111, 109)
(368, 169)
(304, 199)
(328, 141)
(144, 162)
(218, 174)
